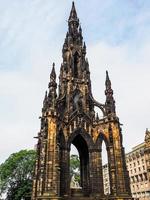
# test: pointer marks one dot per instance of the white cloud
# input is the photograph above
(130, 81)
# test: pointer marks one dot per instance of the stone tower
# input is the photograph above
(69, 118)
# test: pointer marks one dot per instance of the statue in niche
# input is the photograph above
(77, 100)
(74, 183)
(67, 56)
(76, 65)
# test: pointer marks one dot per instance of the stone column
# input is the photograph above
(96, 176)
(64, 173)
(112, 171)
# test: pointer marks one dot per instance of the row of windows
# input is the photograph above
(136, 163)
(134, 156)
(140, 186)
(139, 178)
(141, 194)
(135, 170)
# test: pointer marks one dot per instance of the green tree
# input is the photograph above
(75, 167)
(16, 175)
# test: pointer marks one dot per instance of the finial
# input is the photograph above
(84, 46)
(45, 94)
(73, 14)
(107, 82)
(80, 29)
(107, 75)
(110, 102)
(97, 117)
(53, 73)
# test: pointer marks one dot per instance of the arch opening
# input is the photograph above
(105, 169)
(80, 155)
(76, 60)
(98, 113)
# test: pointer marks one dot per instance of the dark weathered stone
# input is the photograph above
(69, 119)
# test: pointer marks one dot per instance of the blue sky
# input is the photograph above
(117, 34)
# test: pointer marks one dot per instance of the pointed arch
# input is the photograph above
(75, 64)
(103, 143)
(101, 137)
(80, 131)
(82, 141)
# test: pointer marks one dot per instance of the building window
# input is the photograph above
(135, 170)
(130, 165)
(139, 169)
(133, 187)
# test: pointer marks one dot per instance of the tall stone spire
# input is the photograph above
(70, 119)
(52, 89)
(110, 102)
(73, 14)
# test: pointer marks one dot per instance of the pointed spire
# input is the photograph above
(97, 117)
(73, 14)
(110, 102)
(52, 82)
(45, 102)
(84, 48)
(80, 30)
(53, 73)
(73, 22)
(108, 90)
(108, 82)
(45, 98)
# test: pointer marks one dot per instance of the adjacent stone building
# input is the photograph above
(138, 162)
(138, 165)
(106, 179)
(69, 117)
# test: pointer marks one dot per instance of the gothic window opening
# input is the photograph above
(105, 166)
(98, 113)
(81, 154)
(76, 60)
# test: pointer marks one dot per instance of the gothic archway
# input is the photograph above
(81, 145)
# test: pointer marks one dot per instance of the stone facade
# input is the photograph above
(138, 164)
(68, 117)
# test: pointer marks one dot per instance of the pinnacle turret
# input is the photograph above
(52, 82)
(53, 73)
(110, 102)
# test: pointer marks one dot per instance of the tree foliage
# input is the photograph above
(16, 175)
(75, 167)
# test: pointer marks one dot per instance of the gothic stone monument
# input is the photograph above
(69, 118)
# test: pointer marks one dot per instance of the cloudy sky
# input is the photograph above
(117, 34)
